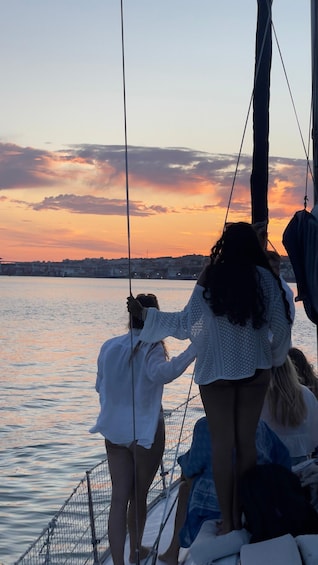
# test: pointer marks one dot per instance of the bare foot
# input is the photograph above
(143, 553)
(169, 557)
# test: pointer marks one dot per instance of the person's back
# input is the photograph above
(238, 318)
(128, 397)
(291, 411)
(130, 379)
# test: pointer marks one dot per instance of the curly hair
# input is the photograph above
(233, 286)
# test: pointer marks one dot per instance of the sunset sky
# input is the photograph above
(189, 72)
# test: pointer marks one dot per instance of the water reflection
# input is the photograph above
(50, 336)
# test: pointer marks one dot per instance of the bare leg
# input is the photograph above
(171, 555)
(219, 403)
(121, 466)
(147, 462)
(249, 403)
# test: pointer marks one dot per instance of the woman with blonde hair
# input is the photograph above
(291, 411)
(305, 370)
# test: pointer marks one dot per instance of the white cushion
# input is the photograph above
(208, 547)
(276, 551)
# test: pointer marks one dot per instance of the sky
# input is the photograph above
(189, 64)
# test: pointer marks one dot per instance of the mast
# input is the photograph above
(261, 95)
(314, 59)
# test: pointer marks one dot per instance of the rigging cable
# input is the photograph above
(306, 151)
(164, 518)
(126, 143)
(129, 275)
(296, 116)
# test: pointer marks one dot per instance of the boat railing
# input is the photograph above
(77, 534)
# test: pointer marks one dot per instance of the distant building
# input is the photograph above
(186, 267)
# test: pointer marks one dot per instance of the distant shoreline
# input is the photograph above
(185, 267)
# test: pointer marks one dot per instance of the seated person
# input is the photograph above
(305, 370)
(291, 411)
(197, 500)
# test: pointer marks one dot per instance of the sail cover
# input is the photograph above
(300, 240)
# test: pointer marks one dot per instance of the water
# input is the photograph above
(51, 332)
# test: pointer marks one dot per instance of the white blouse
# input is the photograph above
(130, 391)
(303, 439)
(224, 350)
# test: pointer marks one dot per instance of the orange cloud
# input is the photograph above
(72, 203)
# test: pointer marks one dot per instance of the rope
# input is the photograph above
(164, 520)
(129, 275)
(309, 169)
(126, 142)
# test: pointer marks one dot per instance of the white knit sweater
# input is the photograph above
(224, 350)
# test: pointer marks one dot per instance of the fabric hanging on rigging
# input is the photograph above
(300, 240)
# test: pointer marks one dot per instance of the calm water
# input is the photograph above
(50, 335)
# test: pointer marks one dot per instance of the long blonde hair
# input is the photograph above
(305, 370)
(284, 396)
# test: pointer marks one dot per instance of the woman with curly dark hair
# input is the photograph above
(238, 318)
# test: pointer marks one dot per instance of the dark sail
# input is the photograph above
(263, 60)
(300, 237)
(314, 56)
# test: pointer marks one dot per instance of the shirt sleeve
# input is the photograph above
(159, 369)
(280, 329)
(159, 325)
(99, 376)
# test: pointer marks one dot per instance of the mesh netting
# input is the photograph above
(78, 532)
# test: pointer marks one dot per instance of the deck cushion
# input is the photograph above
(278, 551)
(208, 547)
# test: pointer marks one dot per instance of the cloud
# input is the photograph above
(85, 171)
(94, 205)
(25, 167)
